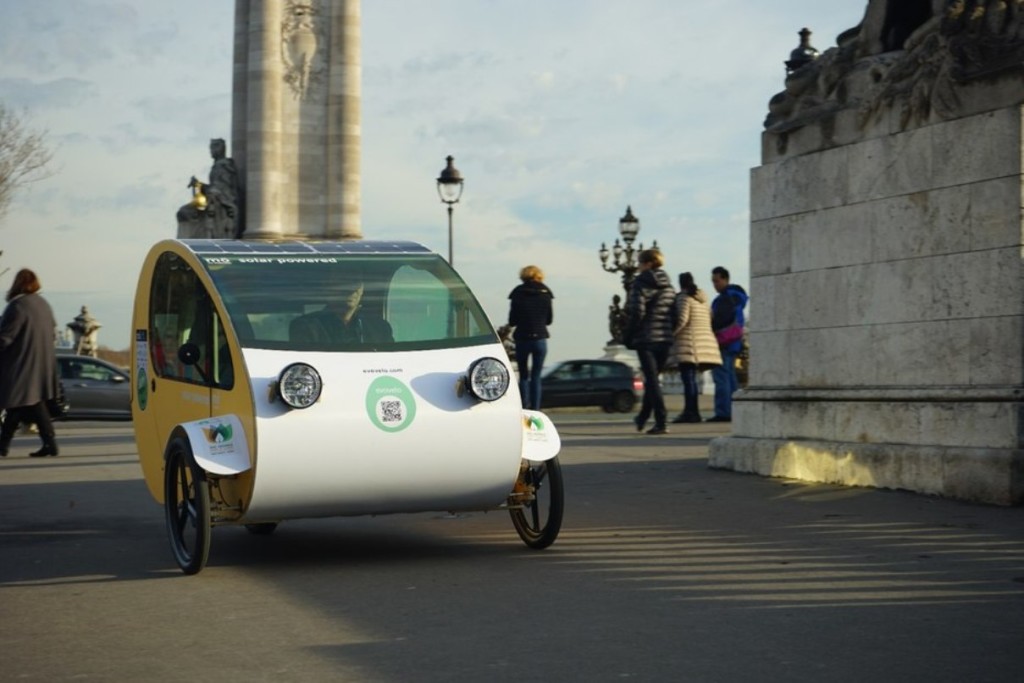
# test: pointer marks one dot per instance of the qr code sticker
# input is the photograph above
(390, 411)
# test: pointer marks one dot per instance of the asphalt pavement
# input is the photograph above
(665, 570)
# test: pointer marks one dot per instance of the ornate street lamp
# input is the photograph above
(804, 53)
(449, 189)
(623, 260)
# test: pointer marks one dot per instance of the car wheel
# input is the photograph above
(538, 501)
(623, 402)
(187, 507)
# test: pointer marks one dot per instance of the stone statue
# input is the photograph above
(616, 320)
(917, 60)
(85, 327)
(215, 211)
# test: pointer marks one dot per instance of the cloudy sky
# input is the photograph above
(559, 114)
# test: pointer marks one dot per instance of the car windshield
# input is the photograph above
(320, 302)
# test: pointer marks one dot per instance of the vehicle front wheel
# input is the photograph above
(187, 507)
(537, 503)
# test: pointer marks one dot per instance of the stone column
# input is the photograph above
(296, 117)
(344, 132)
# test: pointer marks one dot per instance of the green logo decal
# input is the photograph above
(390, 404)
(532, 423)
(142, 389)
(218, 433)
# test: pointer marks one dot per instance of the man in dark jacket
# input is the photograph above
(649, 307)
(726, 310)
(530, 313)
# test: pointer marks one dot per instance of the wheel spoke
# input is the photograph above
(182, 516)
(535, 514)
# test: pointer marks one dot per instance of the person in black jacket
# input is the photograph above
(530, 314)
(650, 303)
(28, 363)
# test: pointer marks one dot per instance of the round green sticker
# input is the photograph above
(390, 404)
(142, 389)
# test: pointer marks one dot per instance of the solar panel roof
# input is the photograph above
(305, 247)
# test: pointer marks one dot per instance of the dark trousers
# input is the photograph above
(530, 354)
(35, 414)
(652, 359)
(688, 373)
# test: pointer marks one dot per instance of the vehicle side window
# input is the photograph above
(94, 371)
(181, 312)
(571, 371)
(602, 371)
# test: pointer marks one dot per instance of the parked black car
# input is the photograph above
(94, 389)
(606, 383)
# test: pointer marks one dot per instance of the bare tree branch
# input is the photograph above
(24, 156)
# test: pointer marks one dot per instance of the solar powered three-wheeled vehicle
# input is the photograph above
(277, 380)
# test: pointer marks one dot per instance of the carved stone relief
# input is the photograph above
(909, 58)
(303, 42)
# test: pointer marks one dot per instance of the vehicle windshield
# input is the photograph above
(320, 302)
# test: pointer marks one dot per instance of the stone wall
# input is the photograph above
(886, 313)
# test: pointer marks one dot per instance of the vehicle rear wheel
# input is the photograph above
(538, 499)
(623, 402)
(261, 528)
(187, 507)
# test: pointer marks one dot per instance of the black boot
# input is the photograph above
(47, 449)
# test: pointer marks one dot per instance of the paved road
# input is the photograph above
(665, 571)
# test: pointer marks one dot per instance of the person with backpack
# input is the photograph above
(727, 322)
(695, 348)
(650, 329)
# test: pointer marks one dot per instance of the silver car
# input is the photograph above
(94, 389)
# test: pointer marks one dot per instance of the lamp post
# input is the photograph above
(804, 54)
(624, 260)
(449, 189)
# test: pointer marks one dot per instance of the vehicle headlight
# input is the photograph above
(488, 379)
(299, 385)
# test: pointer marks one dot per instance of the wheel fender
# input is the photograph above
(540, 437)
(218, 444)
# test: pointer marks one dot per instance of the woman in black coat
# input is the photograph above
(28, 362)
(530, 314)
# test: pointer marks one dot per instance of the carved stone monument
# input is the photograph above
(215, 211)
(296, 117)
(86, 329)
(886, 260)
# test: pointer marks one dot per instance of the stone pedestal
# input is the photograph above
(618, 352)
(296, 117)
(888, 316)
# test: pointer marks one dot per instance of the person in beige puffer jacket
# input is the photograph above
(694, 348)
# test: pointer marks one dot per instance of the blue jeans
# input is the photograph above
(725, 384)
(529, 379)
(652, 359)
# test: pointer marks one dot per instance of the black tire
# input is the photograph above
(538, 519)
(261, 528)
(187, 507)
(623, 402)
